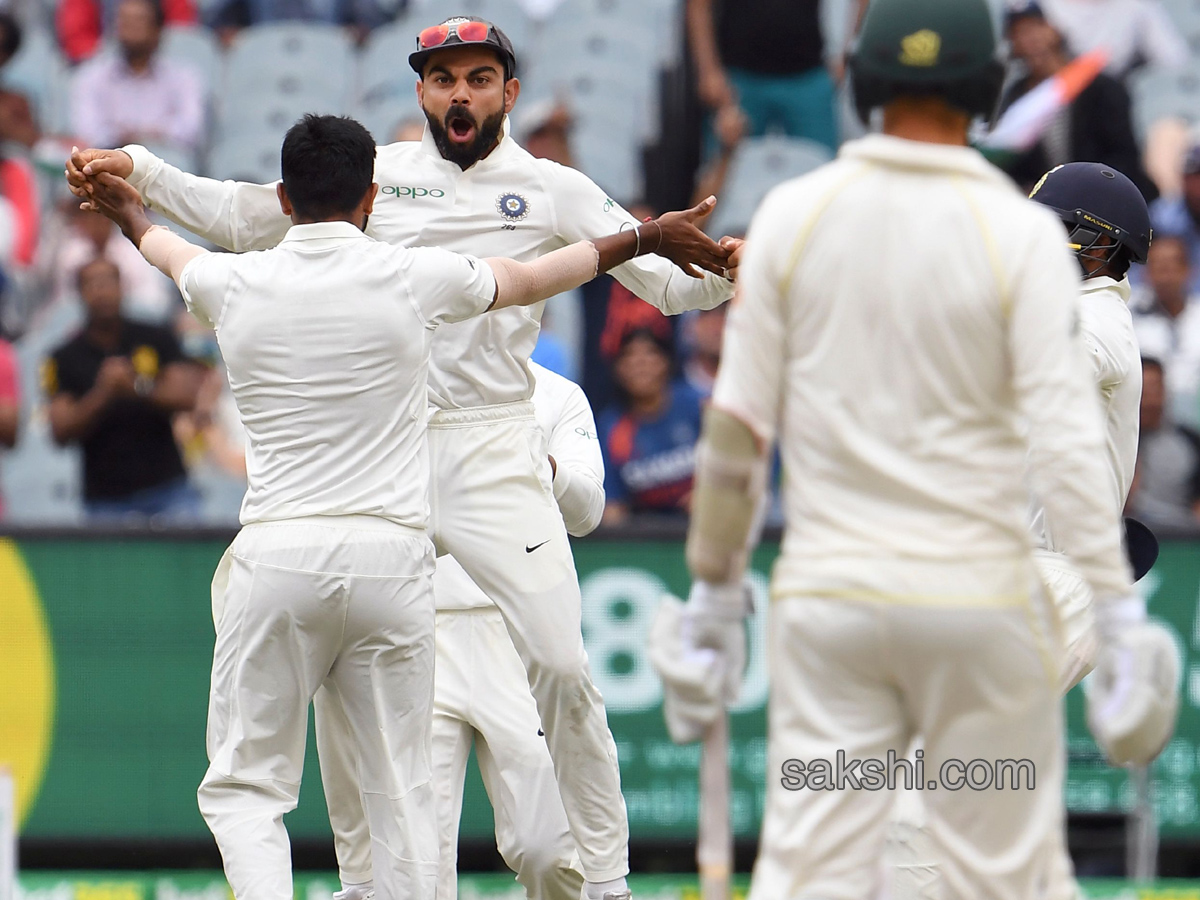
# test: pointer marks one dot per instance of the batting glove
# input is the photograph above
(1133, 695)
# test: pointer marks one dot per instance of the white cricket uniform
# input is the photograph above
(1112, 347)
(326, 340)
(491, 494)
(481, 697)
(1108, 336)
(894, 368)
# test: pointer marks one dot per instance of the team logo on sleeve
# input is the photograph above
(513, 207)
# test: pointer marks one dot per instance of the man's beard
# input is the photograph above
(465, 155)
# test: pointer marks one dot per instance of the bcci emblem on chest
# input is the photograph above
(513, 207)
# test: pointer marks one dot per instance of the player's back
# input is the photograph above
(327, 351)
(896, 266)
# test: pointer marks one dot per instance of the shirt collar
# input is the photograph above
(1103, 283)
(503, 149)
(318, 231)
(883, 149)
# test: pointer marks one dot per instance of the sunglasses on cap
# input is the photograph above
(467, 32)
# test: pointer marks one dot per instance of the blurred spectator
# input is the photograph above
(10, 400)
(409, 130)
(148, 295)
(1166, 487)
(706, 334)
(113, 389)
(544, 129)
(136, 96)
(1167, 321)
(1096, 127)
(729, 127)
(649, 437)
(768, 58)
(82, 23)
(1181, 215)
(1132, 31)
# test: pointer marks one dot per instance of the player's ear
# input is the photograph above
(369, 199)
(421, 92)
(284, 203)
(512, 90)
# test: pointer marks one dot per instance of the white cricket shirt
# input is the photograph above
(1112, 346)
(901, 310)
(326, 339)
(509, 204)
(563, 412)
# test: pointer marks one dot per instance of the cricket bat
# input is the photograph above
(714, 839)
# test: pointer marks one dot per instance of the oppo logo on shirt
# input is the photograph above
(411, 193)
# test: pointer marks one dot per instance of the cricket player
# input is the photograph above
(1108, 227)
(327, 339)
(481, 696)
(468, 186)
(901, 311)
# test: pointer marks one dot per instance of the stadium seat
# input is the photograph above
(292, 60)
(253, 157)
(38, 72)
(274, 111)
(1165, 93)
(758, 165)
(198, 48)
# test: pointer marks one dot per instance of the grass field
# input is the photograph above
(211, 886)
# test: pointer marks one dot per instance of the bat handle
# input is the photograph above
(714, 845)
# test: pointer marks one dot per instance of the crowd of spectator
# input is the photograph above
(136, 387)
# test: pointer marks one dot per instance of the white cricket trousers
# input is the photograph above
(494, 511)
(345, 602)
(481, 697)
(864, 678)
(911, 869)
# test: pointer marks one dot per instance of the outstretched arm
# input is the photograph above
(233, 215)
(675, 236)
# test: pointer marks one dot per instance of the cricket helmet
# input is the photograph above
(1095, 201)
(938, 48)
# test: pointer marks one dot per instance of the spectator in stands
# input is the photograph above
(706, 334)
(1132, 31)
(1166, 487)
(10, 400)
(113, 389)
(360, 16)
(1096, 127)
(82, 23)
(768, 58)
(136, 96)
(1181, 215)
(649, 437)
(544, 129)
(1167, 321)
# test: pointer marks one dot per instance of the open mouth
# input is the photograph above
(461, 131)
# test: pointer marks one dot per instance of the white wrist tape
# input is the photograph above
(521, 284)
(167, 251)
(731, 477)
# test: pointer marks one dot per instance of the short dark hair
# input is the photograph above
(156, 9)
(98, 262)
(328, 165)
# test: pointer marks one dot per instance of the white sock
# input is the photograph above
(595, 890)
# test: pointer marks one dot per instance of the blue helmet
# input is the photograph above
(1096, 201)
